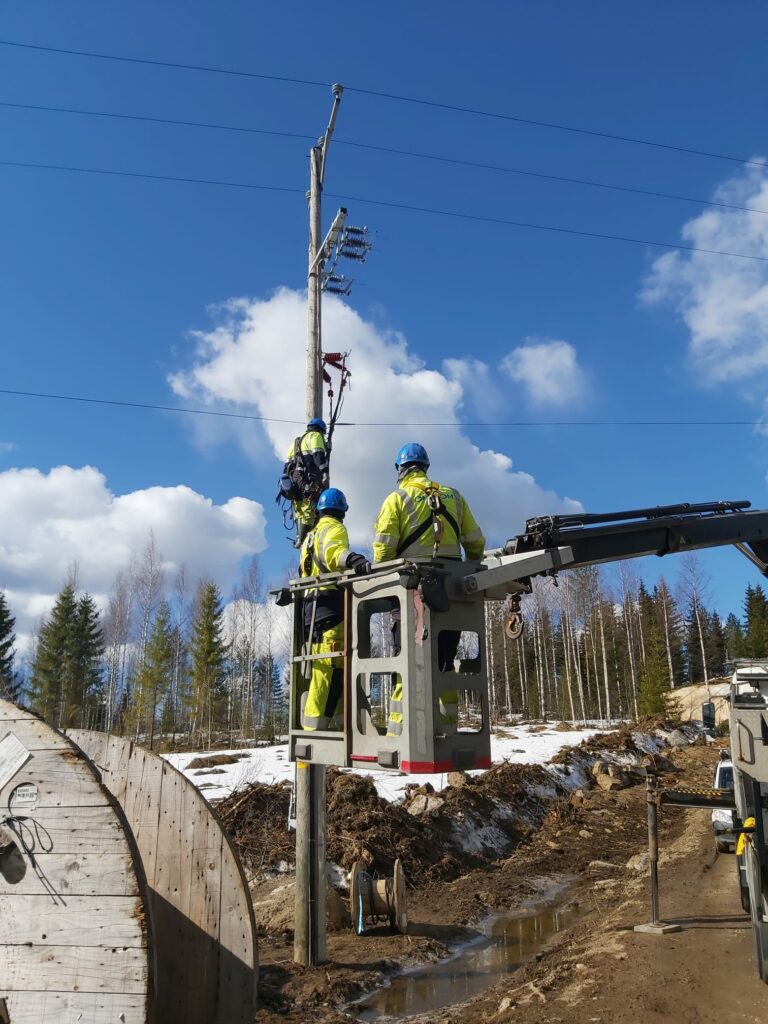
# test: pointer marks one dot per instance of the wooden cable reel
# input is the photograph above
(377, 900)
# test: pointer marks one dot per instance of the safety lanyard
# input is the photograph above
(437, 509)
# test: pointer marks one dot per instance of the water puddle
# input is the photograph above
(509, 940)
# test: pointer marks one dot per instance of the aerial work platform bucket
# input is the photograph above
(408, 626)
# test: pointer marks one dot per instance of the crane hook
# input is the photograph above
(514, 622)
(514, 625)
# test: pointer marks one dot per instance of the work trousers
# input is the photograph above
(448, 702)
(326, 687)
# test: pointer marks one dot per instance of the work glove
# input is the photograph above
(359, 563)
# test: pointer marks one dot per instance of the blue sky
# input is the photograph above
(105, 279)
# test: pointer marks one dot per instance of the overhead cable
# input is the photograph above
(153, 177)
(432, 211)
(394, 151)
(435, 104)
(385, 423)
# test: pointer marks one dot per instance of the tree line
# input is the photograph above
(163, 658)
(160, 659)
(601, 645)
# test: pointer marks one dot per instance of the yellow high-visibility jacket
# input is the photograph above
(312, 441)
(325, 548)
(406, 509)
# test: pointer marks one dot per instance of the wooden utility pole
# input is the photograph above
(309, 917)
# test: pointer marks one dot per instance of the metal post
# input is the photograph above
(656, 925)
(309, 915)
(653, 853)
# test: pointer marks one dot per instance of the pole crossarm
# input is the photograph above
(329, 241)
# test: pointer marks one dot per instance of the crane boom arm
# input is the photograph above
(552, 543)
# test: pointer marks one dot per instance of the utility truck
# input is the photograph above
(749, 754)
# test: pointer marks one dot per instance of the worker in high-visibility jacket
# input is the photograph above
(423, 520)
(326, 549)
(306, 465)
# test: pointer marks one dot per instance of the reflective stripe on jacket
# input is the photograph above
(406, 509)
(325, 548)
(395, 714)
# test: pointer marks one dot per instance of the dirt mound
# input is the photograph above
(361, 825)
(257, 822)
(479, 818)
(214, 759)
(471, 823)
(474, 823)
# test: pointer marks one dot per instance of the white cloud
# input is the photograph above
(548, 369)
(722, 300)
(255, 356)
(52, 520)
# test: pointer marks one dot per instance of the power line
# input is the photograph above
(557, 127)
(147, 405)
(157, 120)
(165, 64)
(384, 423)
(548, 227)
(215, 126)
(433, 211)
(153, 177)
(435, 104)
(549, 177)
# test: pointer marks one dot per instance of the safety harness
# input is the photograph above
(300, 478)
(438, 513)
(310, 557)
(325, 601)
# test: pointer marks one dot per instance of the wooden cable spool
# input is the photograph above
(375, 900)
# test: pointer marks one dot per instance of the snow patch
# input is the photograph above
(270, 765)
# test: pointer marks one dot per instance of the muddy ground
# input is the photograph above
(597, 970)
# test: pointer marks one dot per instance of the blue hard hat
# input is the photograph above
(412, 452)
(332, 498)
(317, 424)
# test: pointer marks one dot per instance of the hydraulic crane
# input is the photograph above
(440, 660)
(443, 600)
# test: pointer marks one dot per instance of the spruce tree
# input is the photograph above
(209, 660)
(756, 616)
(654, 673)
(53, 670)
(156, 673)
(89, 647)
(9, 682)
(734, 637)
(716, 646)
(66, 677)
